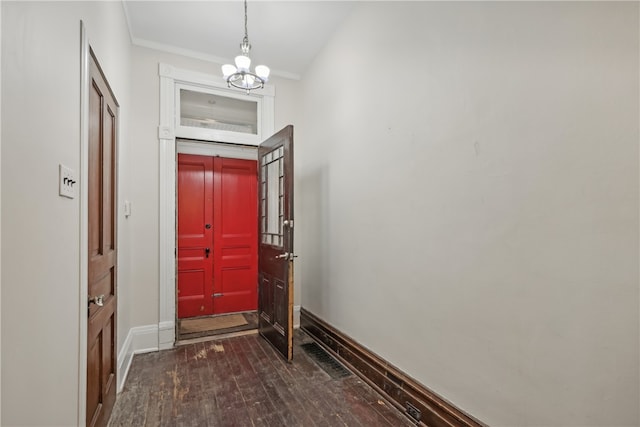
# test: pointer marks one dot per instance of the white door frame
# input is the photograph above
(84, 222)
(167, 133)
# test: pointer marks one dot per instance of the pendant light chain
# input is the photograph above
(246, 33)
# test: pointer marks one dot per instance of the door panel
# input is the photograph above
(235, 236)
(195, 212)
(275, 243)
(220, 192)
(102, 269)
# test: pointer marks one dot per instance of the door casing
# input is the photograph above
(204, 148)
(167, 138)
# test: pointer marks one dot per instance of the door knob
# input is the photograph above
(283, 256)
(97, 300)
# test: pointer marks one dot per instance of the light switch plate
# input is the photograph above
(68, 182)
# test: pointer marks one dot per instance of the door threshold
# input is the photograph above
(216, 337)
(205, 326)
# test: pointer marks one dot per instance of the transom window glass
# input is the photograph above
(272, 202)
(205, 110)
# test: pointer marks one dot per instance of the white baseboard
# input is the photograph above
(167, 335)
(296, 316)
(141, 339)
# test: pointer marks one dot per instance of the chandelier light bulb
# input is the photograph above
(243, 62)
(228, 70)
(263, 72)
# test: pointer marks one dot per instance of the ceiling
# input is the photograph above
(284, 35)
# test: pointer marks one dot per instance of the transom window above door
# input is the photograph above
(214, 114)
(206, 110)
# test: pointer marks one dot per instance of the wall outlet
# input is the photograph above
(413, 412)
(68, 182)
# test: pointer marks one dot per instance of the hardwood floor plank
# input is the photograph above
(243, 382)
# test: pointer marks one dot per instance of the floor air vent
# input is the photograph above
(325, 361)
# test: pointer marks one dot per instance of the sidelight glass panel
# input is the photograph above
(273, 197)
(205, 110)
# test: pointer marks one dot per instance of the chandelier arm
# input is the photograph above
(236, 80)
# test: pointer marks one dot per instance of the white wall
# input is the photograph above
(40, 275)
(469, 178)
(40, 129)
(143, 157)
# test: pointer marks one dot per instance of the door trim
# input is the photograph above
(84, 222)
(212, 149)
(169, 77)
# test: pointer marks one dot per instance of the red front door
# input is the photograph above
(195, 235)
(217, 234)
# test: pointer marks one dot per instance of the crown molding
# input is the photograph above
(198, 55)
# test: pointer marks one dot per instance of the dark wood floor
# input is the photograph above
(242, 382)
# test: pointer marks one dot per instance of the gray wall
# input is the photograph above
(469, 207)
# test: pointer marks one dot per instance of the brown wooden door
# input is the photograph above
(102, 303)
(275, 241)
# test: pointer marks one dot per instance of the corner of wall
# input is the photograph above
(140, 339)
(296, 316)
(0, 216)
(166, 334)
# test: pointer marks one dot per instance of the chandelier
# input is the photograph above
(240, 75)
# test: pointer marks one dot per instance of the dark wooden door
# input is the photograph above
(195, 235)
(217, 235)
(275, 241)
(102, 303)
